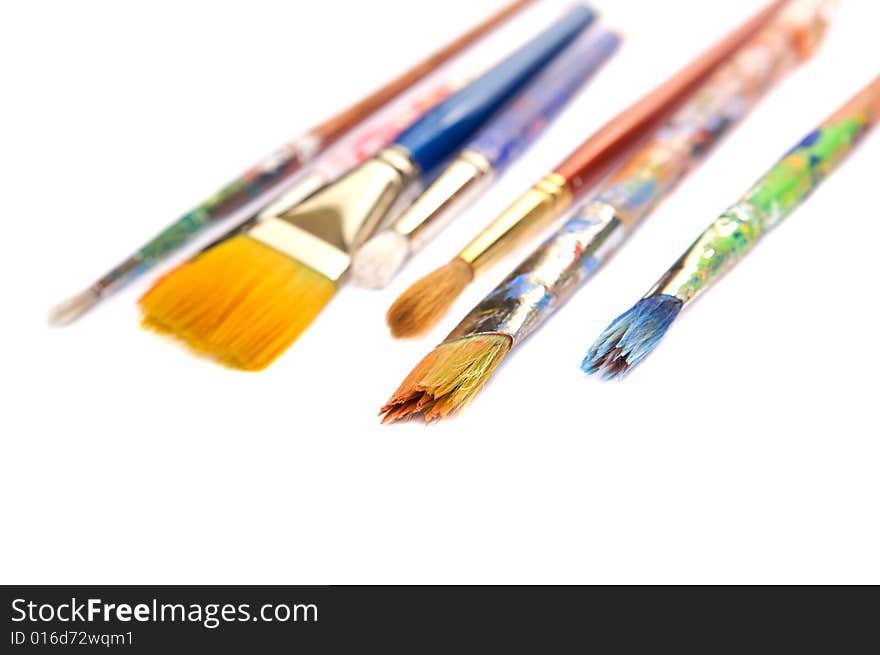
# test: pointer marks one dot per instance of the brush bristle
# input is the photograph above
(242, 302)
(377, 262)
(427, 300)
(448, 378)
(631, 336)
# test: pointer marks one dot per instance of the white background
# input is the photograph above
(745, 450)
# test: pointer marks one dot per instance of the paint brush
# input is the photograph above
(450, 376)
(269, 174)
(635, 333)
(494, 148)
(427, 300)
(246, 300)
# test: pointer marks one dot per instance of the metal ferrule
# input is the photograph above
(715, 251)
(551, 274)
(545, 200)
(324, 229)
(304, 186)
(464, 179)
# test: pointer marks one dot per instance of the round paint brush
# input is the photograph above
(505, 138)
(633, 335)
(246, 300)
(268, 175)
(428, 299)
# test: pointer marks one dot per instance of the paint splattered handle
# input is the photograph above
(720, 104)
(803, 167)
(510, 133)
(771, 199)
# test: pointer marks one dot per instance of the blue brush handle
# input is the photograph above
(515, 128)
(442, 131)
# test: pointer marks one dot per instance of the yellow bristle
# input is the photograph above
(428, 299)
(240, 302)
(448, 378)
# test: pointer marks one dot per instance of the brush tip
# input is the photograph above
(631, 336)
(376, 263)
(424, 303)
(66, 312)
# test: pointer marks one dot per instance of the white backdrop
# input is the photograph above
(745, 450)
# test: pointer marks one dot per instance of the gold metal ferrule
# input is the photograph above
(434, 209)
(545, 200)
(324, 229)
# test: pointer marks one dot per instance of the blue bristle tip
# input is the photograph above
(631, 336)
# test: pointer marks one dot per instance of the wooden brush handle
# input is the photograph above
(598, 154)
(443, 130)
(334, 127)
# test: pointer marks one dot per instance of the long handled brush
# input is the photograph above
(450, 376)
(246, 300)
(428, 299)
(635, 333)
(268, 175)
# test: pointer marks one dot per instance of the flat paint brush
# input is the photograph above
(634, 334)
(246, 300)
(497, 145)
(450, 376)
(423, 304)
(268, 175)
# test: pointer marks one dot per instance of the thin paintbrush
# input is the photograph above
(425, 302)
(246, 300)
(267, 175)
(454, 371)
(634, 334)
(506, 137)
